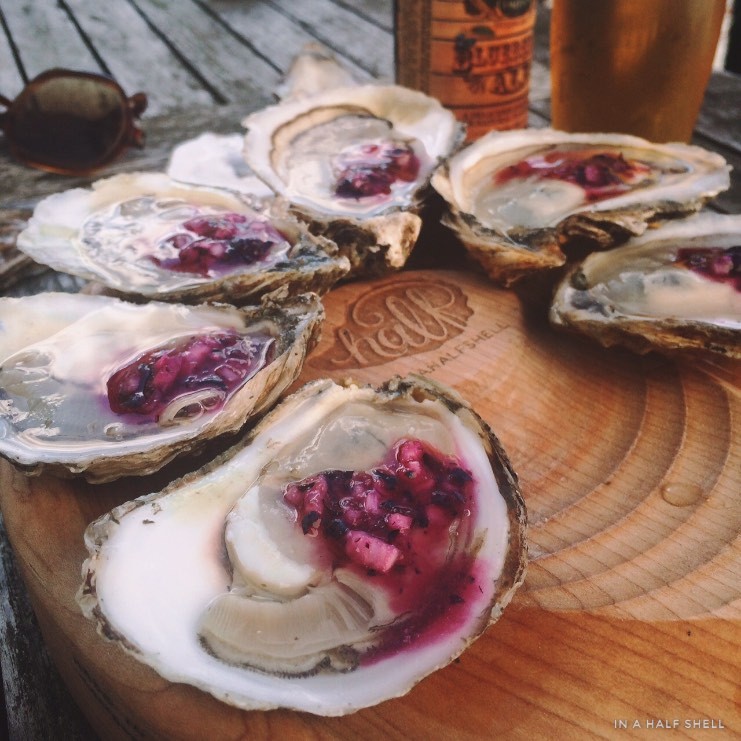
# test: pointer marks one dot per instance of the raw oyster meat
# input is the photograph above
(354, 162)
(525, 201)
(309, 587)
(676, 287)
(146, 236)
(97, 386)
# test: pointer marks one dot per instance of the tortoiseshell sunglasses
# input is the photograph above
(71, 122)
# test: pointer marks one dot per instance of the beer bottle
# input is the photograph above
(474, 56)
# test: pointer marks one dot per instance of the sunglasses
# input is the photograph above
(71, 122)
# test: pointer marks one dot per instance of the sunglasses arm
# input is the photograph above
(4, 103)
(4, 115)
(137, 104)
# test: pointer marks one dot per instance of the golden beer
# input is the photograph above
(633, 66)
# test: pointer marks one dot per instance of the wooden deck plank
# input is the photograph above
(11, 82)
(229, 66)
(31, 682)
(136, 56)
(720, 116)
(46, 37)
(263, 24)
(380, 12)
(540, 83)
(730, 200)
(372, 47)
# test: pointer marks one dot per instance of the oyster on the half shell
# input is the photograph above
(356, 541)
(526, 201)
(217, 159)
(97, 386)
(678, 287)
(354, 162)
(146, 236)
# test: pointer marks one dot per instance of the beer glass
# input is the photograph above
(632, 66)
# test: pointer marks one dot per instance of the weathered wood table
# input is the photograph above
(206, 63)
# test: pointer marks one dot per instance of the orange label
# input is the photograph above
(474, 56)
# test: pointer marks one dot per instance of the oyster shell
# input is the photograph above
(314, 70)
(354, 162)
(96, 386)
(146, 236)
(523, 201)
(215, 160)
(676, 287)
(326, 591)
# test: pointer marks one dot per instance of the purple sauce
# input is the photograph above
(220, 360)
(600, 174)
(218, 243)
(371, 169)
(392, 525)
(718, 264)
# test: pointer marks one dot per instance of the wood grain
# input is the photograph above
(45, 27)
(136, 55)
(630, 468)
(24, 661)
(295, 32)
(331, 22)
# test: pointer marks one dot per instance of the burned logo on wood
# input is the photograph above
(403, 318)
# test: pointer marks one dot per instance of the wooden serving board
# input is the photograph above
(629, 618)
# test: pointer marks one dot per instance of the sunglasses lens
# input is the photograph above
(69, 123)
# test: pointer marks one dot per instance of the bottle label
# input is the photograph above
(474, 56)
